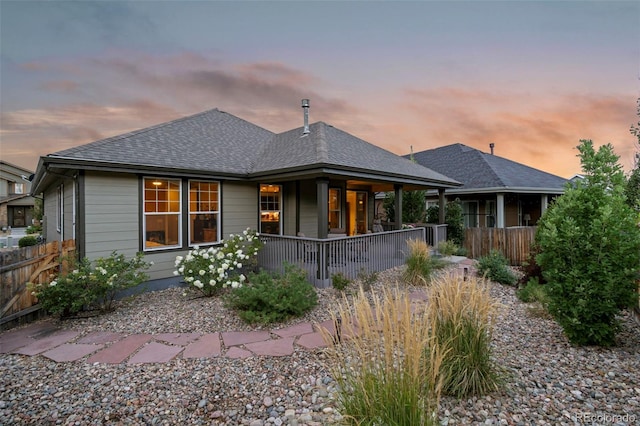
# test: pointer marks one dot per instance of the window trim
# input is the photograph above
(179, 214)
(267, 210)
(60, 208)
(214, 212)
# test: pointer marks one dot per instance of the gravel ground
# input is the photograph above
(546, 380)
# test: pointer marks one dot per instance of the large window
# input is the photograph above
(470, 213)
(490, 214)
(204, 201)
(162, 213)
(335, 208)
(270, 209)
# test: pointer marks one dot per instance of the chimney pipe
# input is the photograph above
(305, 107)
(492, 145)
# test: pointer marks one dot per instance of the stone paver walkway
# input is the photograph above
(45, 339)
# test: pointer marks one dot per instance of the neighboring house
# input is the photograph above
(195, 180)
(16, 203)
(496, 192)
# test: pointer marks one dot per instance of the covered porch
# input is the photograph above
(349, 255)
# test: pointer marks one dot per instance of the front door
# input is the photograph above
(19, 217)
(357, 220)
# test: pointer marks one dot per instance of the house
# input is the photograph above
(192, 181)
(16, 203)
(496, 192)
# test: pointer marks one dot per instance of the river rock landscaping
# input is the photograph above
(546, 380)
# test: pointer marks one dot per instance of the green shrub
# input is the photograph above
(447, 248)
(34, 229)
(339, 281)
(590, 251)
(533, 291)
(463, 313)
(454, 219)
(420, 263)
(367, 279)
(461, 252)
(89, 287)
(496, 268)
(271, 297)
(27, 241)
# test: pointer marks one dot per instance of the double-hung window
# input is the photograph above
(270, 209)
(204, 202)
(162, 213)
(335, 208)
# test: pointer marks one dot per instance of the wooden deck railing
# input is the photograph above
(21, 266)
(350, 256)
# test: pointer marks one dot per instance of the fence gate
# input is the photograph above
(19, 267)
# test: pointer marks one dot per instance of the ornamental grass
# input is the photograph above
(387, 361)
(462, 313)
(420, 265)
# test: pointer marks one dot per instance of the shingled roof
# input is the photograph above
(216, 143)
(482, 172)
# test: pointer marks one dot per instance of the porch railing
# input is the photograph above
(434, 233)
(351, 256)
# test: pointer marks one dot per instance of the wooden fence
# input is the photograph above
(21, 266)
(514, 243)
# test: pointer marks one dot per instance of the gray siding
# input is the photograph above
(289, 209)
(308, 209)
(239, 207)
(50, 231)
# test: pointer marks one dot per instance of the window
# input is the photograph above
(60, 208)
(470, 213)
(270, 209)
(204, 201)
(162, 213)
(18, 188)
(335, 208)
(490, 214)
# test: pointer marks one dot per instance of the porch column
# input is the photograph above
(398, 206)
(544, 203)
(322, 197)
(441, 206)
(500, 210)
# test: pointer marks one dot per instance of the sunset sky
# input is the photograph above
(532, 77)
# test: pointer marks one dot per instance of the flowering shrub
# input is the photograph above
(87, 287)
(209, 270)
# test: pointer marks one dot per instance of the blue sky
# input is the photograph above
(532, 77)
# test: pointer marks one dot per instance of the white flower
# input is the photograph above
(151, 263)
(205, 256)
(198, 284)
(220, 255)
(176, 273)
(181, 269)
(212, 282)
(246, 231)
(53, 283)
(239, 265)
(202, 272)
(225, 266)
(184, 294)
(242, 278)
(220, 271)
(235, 284)
(196, 247)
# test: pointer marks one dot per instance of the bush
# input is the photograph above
(367, 279)
(496, 268)
(463, 314)
(447, 248)
(27, 241)
(209, 270)
(86, 287)
(269, 298)
(530, 268)
(590, 251)
(453, 218)
(339, 281)
(386, 375)
(34, 229)
(532, 292)
(420, 264)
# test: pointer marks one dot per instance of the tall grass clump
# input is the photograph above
(420, 263)
(386, 365)
(462, 314)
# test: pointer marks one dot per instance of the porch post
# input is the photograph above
(500, 210)
(322, 198)
(441, 206)
(544, 203)
(398, 206)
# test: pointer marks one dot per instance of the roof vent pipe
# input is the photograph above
(305, 107)
(492, 145)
